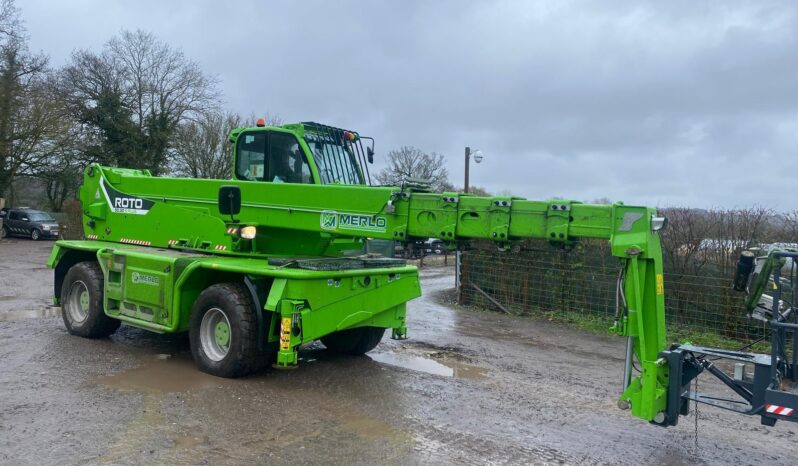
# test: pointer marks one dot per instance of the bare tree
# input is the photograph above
(734, 231)
(61, 172)
(60, 184)
(475, 190)
(29, 124)
(201, 148)
(409, 162)
(9, 20)
(698, 238)
(784, 227)
(132, 98)
(683, 239)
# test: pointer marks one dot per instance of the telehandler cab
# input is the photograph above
(256, 266)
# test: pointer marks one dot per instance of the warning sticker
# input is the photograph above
(660, 285)
(285, 334)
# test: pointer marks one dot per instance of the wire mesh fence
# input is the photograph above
(544, 280)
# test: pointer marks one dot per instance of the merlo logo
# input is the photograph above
(329, 220)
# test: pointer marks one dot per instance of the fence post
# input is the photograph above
(457, 262)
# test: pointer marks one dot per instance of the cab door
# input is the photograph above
(271, 156)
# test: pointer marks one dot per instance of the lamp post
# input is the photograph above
(477, 158)
(458, 260)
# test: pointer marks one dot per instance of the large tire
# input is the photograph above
(224, 332)
(82, 302)
(35, 234)
(356, 341)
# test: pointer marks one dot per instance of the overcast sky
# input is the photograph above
(668, 103)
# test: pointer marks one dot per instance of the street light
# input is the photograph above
(458, 260)
(477, 158)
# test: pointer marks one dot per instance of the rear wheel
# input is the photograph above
(224, 332)
(355, 341)
(3, 232)
(82, 302)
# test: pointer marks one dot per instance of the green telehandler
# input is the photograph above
(283, 255)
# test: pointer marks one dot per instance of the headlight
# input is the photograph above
(248, 232)
(45, 227)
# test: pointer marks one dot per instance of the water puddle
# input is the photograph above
(367, 427)
(163, 375)
(443, 368)
(34, 314)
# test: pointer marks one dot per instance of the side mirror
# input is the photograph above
(370, 154)
(229, 200)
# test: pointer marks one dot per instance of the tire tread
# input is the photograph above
(242, 309)
(98, 324)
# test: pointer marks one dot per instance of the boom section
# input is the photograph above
(130, 205)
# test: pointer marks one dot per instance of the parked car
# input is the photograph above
(417, 249)
(434, 245)
(33, 224)
(412, 250)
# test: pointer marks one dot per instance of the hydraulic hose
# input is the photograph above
(620, 313)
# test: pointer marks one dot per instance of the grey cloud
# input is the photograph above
(689, 103)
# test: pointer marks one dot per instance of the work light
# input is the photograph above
(248, 232)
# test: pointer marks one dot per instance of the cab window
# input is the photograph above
(250, 156)
(271, 156)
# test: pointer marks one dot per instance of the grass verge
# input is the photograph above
(675, 333)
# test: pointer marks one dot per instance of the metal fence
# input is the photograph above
(544, 280)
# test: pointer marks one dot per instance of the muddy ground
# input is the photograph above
(468, 388)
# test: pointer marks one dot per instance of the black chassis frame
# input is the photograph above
(771, 372)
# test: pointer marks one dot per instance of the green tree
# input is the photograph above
(114, 139)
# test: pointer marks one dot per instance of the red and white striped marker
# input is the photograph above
(172, 242)
(232, 231)
(220, 247)
(780, 410)
(91, 236)
(137, 242)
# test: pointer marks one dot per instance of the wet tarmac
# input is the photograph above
(468, 388)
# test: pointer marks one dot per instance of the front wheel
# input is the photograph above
(356, 341)
(224, 332)
(82, 302)
(35, 234)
